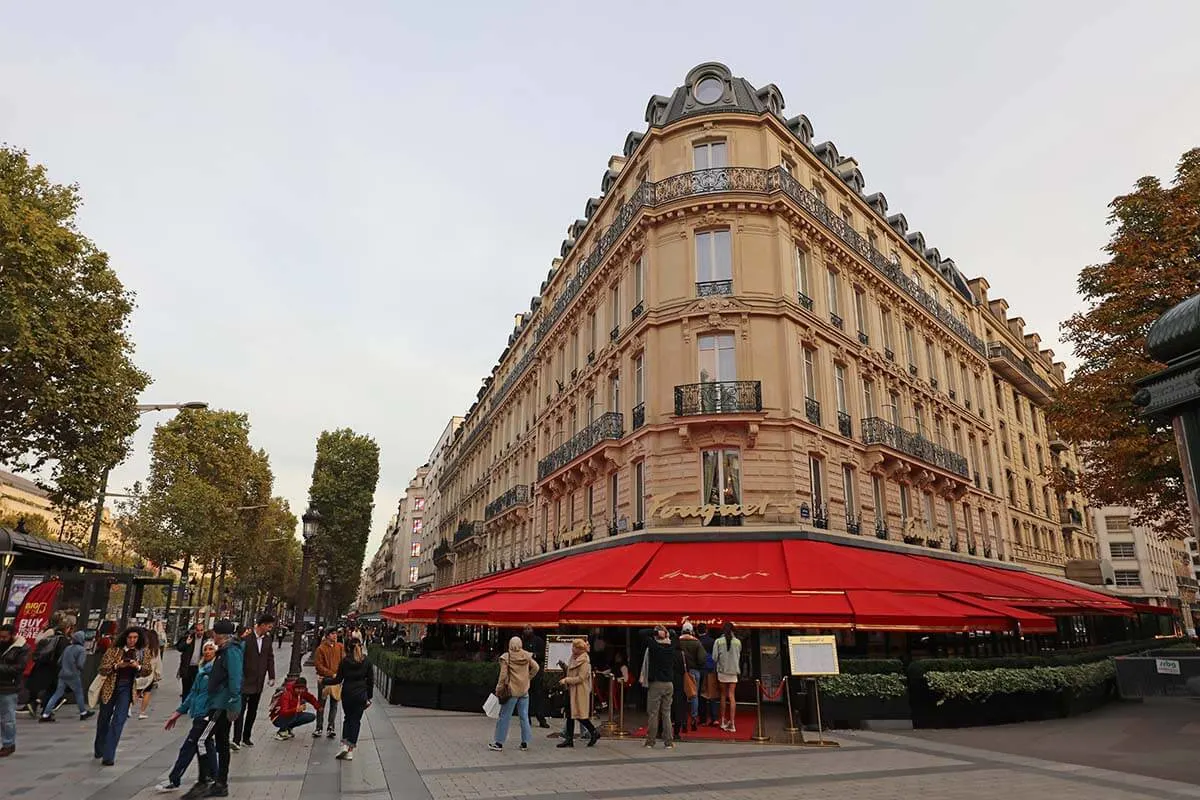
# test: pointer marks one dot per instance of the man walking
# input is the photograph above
(658, 678)
(13, 654)
(259, 665)
(536, 646)
(328, 658)
(224, 699)
(190, 647)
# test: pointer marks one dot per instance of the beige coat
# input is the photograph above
(516, 671)
(579, 686)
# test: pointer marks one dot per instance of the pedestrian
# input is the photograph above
(224, 699)
(146, 686)
(709, 688)
(122, 665)
(329, 656)
(190, 646)
(195, 706)
(695, 657)
(259, 666)
(289, 712)
(727, 654)
(357, 682)
(536, 647)
(578, 682)
(70, 677)
(13, 656)
(517, 670)
(658, 668)
(47, 655)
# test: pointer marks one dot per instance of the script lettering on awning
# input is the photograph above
(706, 513)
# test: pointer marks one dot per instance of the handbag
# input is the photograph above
(689, 686)
(93, 692)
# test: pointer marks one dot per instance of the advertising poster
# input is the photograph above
(34, 612)
(20, 586)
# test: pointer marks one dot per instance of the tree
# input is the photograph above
(68, 385)
(1154, 263)
(345, 475)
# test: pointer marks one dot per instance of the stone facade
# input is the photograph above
(735, 333)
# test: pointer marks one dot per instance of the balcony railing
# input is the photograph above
(879, 431)
(709, 288)
(837, 321)
(844, 426)
(639, 415)
(638, 310)
(812, 410)
(615, 333)
(466, 530)
(805, 301)
(516, 496)
(718, 397)
(889, 354)
(1032, 382)
(608, 425)
(863, 338)
(1071, 518)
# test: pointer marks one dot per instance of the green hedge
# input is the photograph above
(870, 666)
(982, 684)
(866, 684)
(432, 670)
(922, 667)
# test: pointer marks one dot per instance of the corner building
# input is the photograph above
(736, 333)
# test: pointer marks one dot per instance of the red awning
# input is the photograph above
(525, 607)
(427, 607)
(753, 610)
(909, 611)
(1029, 622)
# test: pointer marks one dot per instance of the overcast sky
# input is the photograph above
(331, 212)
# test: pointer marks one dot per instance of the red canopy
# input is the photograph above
(793, 582)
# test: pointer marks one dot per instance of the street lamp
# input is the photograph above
(311, 525)
(322, 574)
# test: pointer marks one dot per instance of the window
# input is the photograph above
(860, 312)
(1117, 524)
(873, 240)
(877, 497)
(1029, 494)
(714, 260)
(562, 363)
(802, 271)
(966, 384)
(839, 380)
(639, 281)
(590, 399)
(819, 191)
(931, 358)
(722, 475)
(639, 387)
(1023, 449)
(1016, 405)
(612, 498)
(788, 165)
(420, 504)
(614, 305)
(639, 492)
(592, 332)
(816, 483)
(574, 351)
(834, 307)
(415, 552)
(910, 348)
(950, 374)
(894, 408)
(930, 514)
(885, 326)
(417, 525)
(614, 392)
(412, 574)
(868, 398)
(848, 492)
(709, 155)
(951, 522)
(717, 361)
(905, 506)
(810, 374)
(1127, 577)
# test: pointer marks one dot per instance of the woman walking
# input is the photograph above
(517, 670)
(146, 686)
(122, 665)
(195, 706)
(727, 654)
(578, 681)
(358, 683)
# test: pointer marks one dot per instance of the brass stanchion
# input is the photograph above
(820, 742)
(760, 732)
(609, 728)
(620, 732)
(792, 728)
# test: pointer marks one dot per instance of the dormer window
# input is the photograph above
(709, 90)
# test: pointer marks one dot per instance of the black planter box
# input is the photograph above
(462, 698)
(385, 687)
(850, 712)
(416, 695)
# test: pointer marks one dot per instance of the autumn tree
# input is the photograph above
(68, 384)
(345, 475)
(1154, 263)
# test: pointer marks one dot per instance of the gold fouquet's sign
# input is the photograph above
(707, 512)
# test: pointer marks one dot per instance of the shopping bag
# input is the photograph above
(93, 693)
(491, 706)
(690, 689)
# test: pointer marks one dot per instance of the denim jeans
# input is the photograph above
(8, 720)
(201, 731)
(505, 718)
(111, 722)
(75, 684)
(695, 701)
(294, 721)
(353, 707)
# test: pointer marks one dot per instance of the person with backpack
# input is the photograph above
(288, 709)
(47, 655)
(13, 655)
(195, 705)
(70, 676)
(224, 698)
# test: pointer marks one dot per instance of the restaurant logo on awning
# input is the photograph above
(706, 513)
(703, 576)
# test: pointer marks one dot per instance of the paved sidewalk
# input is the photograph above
(417, 754)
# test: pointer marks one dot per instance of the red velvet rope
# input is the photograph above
(775, 695)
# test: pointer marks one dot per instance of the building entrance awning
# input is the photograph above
(778, 580)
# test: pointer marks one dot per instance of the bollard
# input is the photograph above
(620, 732)
(609, 728)
(760, 733)
(791, 728)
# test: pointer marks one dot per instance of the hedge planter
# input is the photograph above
(851, 712)
(463, 698)
(416, 695)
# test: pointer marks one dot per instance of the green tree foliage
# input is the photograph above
(34, 523)
(68, 385)
(1154, 263)
(343, 491)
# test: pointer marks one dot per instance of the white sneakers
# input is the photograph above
(346, 753)
(167, 786)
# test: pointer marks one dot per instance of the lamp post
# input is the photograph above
(322, 574)
(311, 524)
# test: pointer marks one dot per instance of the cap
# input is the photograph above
(224, 626)
(687, 627)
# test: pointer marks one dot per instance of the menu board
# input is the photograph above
(558, 648)
(813, 655)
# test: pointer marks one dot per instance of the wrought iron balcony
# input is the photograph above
(837, 322)
(879, 431)
(805, 301)
(889, 354)
(1058, 444)
(639, 415)
(844, 426)
(1071, 519)
(718, 397)
(863, 338)
(912, 369)
(812, 410)
(709, 288)
(608, 425)
(615, 333)
(466, 531)
(441, 552)
(518, 495)
(638, 310)
(1019, 372)
(933, 382)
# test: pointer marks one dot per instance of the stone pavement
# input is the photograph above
(417, 754)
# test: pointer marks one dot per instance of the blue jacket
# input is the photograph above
(195, 705)
(225, 682)
(73, 658)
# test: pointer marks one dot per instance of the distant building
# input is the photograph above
(1143, 566)
(21, 497)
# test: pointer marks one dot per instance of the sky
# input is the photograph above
(331, 212)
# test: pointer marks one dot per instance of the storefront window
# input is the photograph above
(722, 476)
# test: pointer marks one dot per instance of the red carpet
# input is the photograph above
(746, 719)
